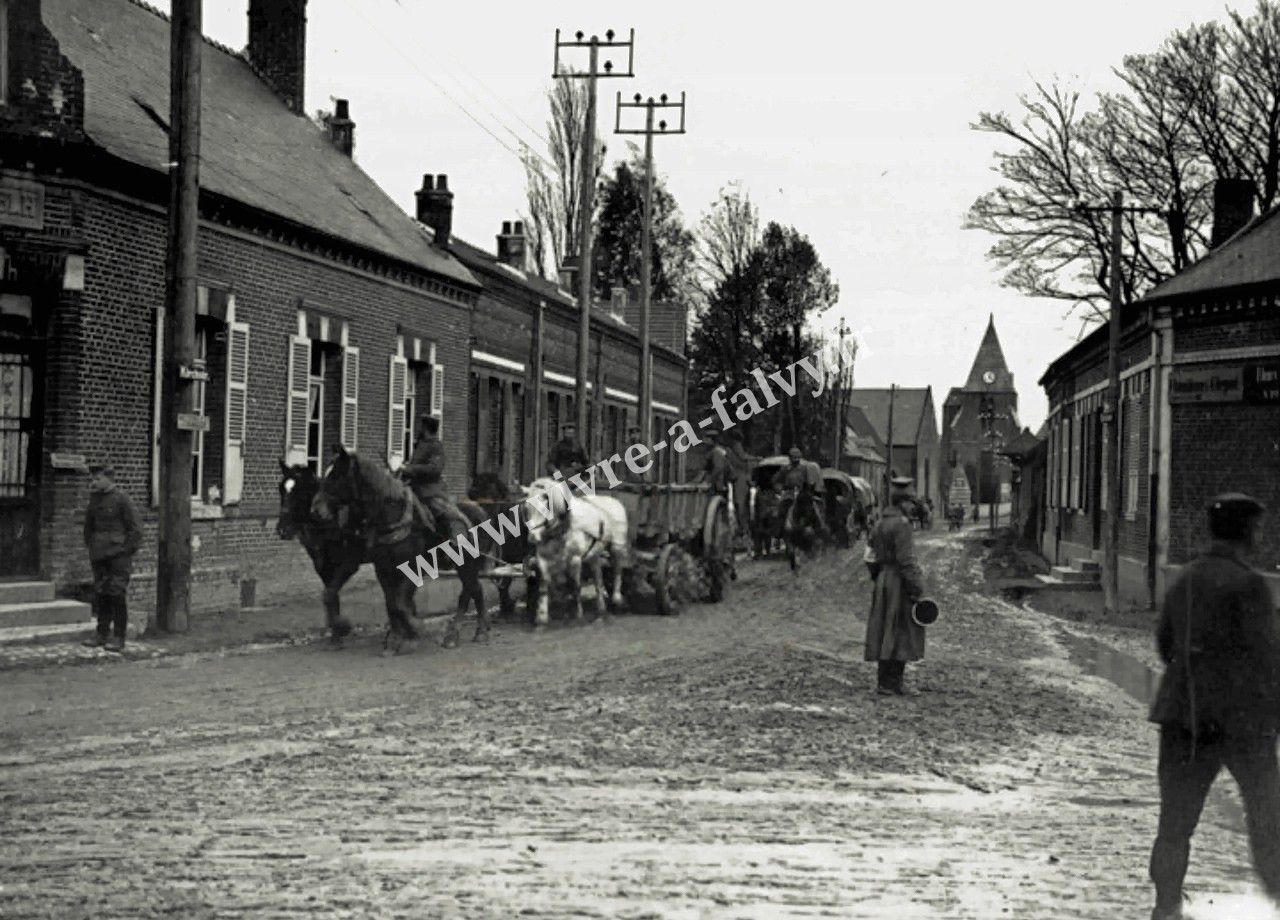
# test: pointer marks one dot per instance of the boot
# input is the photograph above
(120, 619)
(884, 678)
(102, 612)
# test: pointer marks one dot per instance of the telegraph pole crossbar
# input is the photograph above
(646, 239)
(587, 197)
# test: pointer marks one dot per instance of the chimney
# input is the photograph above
(512, 248)
(342, 130)
(278, 47)
(435, 207)
(568, 273)
(1232, 208)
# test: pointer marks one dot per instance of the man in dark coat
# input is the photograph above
(1219, 702)
(425, 474)
(893, 637)
(112, 536)
(567, 454)
(716, 468)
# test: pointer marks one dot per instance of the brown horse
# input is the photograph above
(397, 538)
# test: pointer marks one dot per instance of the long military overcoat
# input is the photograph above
(891, 633)
(1219, 618)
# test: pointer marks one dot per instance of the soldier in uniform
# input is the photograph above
(633, 437)
(893, 637)
(1219, 701)
(112, 536)
(740, 485)
(425, 474)
(716, 469)
(567, 454)
(803, 479)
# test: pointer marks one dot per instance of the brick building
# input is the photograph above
(907, 437)
(316, 290)
(516, 311)
(979, 420)
(1200, 411)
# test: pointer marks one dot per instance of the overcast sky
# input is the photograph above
(849, 122)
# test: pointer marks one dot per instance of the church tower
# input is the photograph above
(978, 420)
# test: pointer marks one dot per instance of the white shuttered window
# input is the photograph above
(350, 397)
(237, 412)
(397, 409)
(295, 443)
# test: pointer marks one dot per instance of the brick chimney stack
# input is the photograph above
(342, 130)
(512, 246)
(1232, 208)
(278, 47)
(435, 207)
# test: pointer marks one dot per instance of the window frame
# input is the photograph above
(315, 411)
(4, 52)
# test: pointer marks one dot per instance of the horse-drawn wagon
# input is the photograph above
(681, 540)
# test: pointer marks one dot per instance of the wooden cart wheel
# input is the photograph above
(717, 547)
(668, 580)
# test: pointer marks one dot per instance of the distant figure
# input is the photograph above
(717, 471)
(112, 536)
(1219, 702)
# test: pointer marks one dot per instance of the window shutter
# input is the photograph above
(237, 412)
(295, 425)
(395, 412)
(350, 397)
(155, 419)
(437, 391)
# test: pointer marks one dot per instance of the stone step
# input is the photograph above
(45, 613)
(41, 635)
(25, 592)
(1087, 565)
(1067, 573)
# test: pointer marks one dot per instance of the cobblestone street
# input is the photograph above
(732, 762)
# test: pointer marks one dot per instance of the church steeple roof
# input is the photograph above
(990, 360)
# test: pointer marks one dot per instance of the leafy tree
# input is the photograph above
(616, 244)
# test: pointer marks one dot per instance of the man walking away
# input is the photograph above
(112, 536)
(1219, 701)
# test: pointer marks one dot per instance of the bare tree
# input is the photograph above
(729, 235)
(553, 183)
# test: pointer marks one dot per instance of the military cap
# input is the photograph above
(712, 432)
(901, 482)
(795, 454)
(1235, 505)
(106, 469)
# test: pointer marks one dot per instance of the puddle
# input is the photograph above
(1132, 676)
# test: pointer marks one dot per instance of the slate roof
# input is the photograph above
(990, 357)
(253, 148)
(1252, 256)
(908, 410)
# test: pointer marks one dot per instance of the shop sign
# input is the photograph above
(1253, 384)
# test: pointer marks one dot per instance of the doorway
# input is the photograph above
(21, 442)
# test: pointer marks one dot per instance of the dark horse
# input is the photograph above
(337, 548)
(490, 492)
(803, 528)
(380, 506)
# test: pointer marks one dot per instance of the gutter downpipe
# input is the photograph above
(1162, 461)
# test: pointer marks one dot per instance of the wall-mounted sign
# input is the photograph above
(67, 461)
(1253, 384)
(21, 203)
(190, 421)
(192, 373)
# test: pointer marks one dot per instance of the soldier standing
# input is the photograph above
(112, 536)
(1219, 701)
(893, 637)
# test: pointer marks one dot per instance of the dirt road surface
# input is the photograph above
(732, 762)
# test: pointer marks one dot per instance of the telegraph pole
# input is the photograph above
(888, 449)
(587, 195)
(1111, 408)
(177, 423)
(646, 241)
(838, 449)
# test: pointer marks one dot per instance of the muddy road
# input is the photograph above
(732, 762)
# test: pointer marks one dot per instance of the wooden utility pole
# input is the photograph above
(1111, 415)
(177, 423)
(646, 242)
(1111, 409)
(838, 449)
(587, 197)
(888, 449)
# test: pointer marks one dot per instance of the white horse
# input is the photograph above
(567, 532)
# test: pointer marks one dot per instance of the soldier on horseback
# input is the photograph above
(802, 482)
(425, 474)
